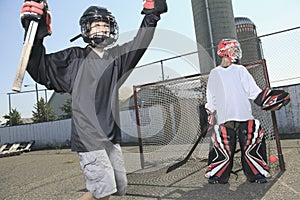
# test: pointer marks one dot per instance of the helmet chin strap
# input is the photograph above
(99, 41)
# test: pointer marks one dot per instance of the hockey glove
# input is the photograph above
(271, 100)
(207, 118)
(154, 6)
(37, 11)
(211, 120)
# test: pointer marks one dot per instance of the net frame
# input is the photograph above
(161, 98)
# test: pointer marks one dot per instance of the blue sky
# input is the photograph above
(268, 16)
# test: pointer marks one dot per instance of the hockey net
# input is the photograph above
(168, 119)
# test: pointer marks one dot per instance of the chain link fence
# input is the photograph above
(281, 52)
(279, 49)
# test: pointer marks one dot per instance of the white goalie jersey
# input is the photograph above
(228, 92)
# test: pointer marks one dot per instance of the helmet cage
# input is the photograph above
(93, 14)
(231, 49)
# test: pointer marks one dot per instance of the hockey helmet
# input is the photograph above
(231, 49)
(93, 14)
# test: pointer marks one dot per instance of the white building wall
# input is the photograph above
(55, 134)
(48, 134)
(288, 120)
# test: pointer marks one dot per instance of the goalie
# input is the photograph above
(229, 88)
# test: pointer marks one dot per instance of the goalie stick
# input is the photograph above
(203, 122)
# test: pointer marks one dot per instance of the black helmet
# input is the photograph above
(96, 13)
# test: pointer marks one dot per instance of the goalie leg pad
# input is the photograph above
(271, 100)
(253, 149)
(220, 159)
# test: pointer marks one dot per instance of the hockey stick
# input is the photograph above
(26, 51)
(23, 62)
(203, 122)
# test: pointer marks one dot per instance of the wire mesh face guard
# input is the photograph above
(231, 49)
(93, 14)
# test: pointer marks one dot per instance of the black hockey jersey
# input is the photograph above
(93, 82)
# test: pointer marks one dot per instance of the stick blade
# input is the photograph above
(176, 165)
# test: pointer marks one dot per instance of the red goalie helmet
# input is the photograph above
(231, 49)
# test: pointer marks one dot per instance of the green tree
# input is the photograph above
(43, 112)
(13, 118)
(67, 109)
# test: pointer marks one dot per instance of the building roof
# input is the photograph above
(242, 21)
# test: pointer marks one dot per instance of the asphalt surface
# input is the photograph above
(56, 175)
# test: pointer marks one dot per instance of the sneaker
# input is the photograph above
(215, 179)
(259, 178)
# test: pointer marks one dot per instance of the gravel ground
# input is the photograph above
(55, 174)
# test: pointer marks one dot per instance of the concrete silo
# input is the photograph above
(213, 21)
(247, 36)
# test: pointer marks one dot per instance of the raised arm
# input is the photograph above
(131, 52)
(55, 70)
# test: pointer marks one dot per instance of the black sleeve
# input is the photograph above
(130, 53)
(57, 70)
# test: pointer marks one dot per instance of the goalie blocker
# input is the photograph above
(271, 100)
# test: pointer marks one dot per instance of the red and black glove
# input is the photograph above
(271, 100)
(38, 11)
(211, 120)
(154, 6)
